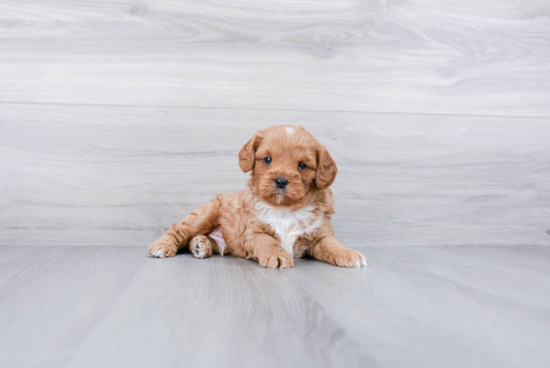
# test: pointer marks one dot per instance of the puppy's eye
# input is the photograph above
(267, 160)
(302, 166)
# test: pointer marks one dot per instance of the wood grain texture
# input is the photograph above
(413, 307)
(422, 56)
(104, 175)
(51, 297)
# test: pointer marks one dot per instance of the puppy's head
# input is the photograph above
(288, 164)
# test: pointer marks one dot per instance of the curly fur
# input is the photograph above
(264, 222)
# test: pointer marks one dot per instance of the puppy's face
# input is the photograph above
(288, 164)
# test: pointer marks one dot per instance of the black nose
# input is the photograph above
(281, 183)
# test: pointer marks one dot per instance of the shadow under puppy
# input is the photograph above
(284, 214)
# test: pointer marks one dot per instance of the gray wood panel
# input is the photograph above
(104, 175)
(423, 56)
(51, 297)
(413, 307)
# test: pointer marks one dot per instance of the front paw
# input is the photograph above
(162, 249)
(349, 258)
(276, 259)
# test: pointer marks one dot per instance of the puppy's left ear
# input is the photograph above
(326, 168)
(247, 154)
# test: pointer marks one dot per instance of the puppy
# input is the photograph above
(284, 214)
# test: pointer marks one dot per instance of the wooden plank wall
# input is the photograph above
(118, 117)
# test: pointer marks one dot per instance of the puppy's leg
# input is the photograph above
(202, 246)
(198, 222)
(332, 251)
(268, 252)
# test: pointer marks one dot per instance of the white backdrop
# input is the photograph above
(117, 118)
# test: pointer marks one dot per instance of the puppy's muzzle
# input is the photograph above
(281, 183)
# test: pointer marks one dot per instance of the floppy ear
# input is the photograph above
(326, 168)
(247, 153)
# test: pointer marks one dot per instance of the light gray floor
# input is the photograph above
(413, 307)
(119, 117)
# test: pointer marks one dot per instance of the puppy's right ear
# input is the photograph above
(247, 154)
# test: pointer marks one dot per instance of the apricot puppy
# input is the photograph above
(284, 214)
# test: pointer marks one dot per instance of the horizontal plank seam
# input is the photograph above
(275, 109)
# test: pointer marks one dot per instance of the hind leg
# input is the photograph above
(199, 222)
(202, 246)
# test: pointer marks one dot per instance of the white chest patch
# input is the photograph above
(288, 225)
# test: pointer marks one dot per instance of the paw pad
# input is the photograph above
(201, 247)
